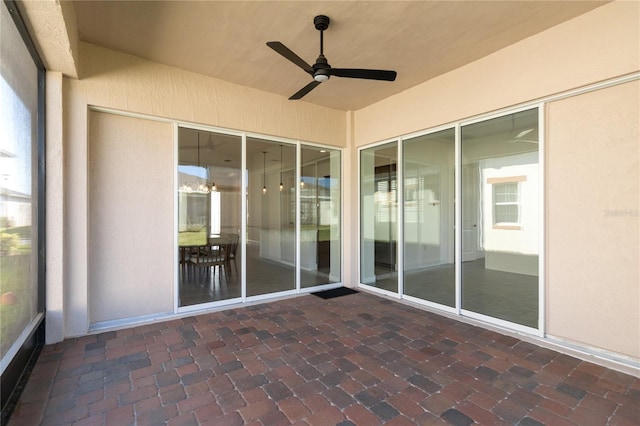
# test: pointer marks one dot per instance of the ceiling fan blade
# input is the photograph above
(306, 89)
(287, 53)
(362, 73)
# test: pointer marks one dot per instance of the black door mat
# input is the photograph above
(336, 292)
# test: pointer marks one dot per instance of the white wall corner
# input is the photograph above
(350, 208)
(54, 165)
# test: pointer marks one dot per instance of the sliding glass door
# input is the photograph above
(241, 198)
(501, 218)
(429, 213)
(271, 216)
(378, 217)
(320, 212)
(209, 216)
(471, 224)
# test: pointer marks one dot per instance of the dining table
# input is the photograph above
(185, 247)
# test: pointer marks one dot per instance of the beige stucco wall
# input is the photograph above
(55, 216)
(131, 224)
(589, 304)
(593, 193)
(125, 82)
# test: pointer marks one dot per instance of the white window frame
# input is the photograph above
(497, 182)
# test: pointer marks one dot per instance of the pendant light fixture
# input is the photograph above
(211, 186)
(200, 186)
(281, 185)
(264, 172)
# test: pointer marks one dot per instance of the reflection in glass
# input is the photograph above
(378, 217)
(429, 270)
(209, 213)
(18, 187)
(320, 217)
(500, 217)
(271, 217)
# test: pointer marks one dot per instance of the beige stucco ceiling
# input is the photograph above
(226, 39)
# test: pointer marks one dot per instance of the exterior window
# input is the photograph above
(506, 208)
(216, 212)
(507, 200)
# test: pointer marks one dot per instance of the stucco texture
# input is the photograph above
(593, 187)
(131, 227)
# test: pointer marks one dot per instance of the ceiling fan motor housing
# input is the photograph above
(321, 69)
(321, 22)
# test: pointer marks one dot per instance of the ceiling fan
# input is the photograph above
(321, 70)
(520, 137)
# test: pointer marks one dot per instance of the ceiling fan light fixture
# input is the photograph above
(321, 77)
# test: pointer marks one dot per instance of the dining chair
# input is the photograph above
(232, 250)
(211, 256)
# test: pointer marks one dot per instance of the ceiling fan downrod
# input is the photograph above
(321, 22)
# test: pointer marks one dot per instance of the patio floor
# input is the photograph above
(357, 359)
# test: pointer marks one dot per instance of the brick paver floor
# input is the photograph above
(357, 359)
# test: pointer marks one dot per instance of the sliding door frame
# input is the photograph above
(457, 310)
(176, 284)
(449, 309)
(399, 189)
(541, 221)
(244, 298)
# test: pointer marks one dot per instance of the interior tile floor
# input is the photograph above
(353, 360)
(204, 285)
(505, 295)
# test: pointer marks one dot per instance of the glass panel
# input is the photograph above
(320, 217)
(505, 203)
(500, 226)
(209, 214)
(271, 217)
(18, 186)
(378, 217)
(429, 214)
